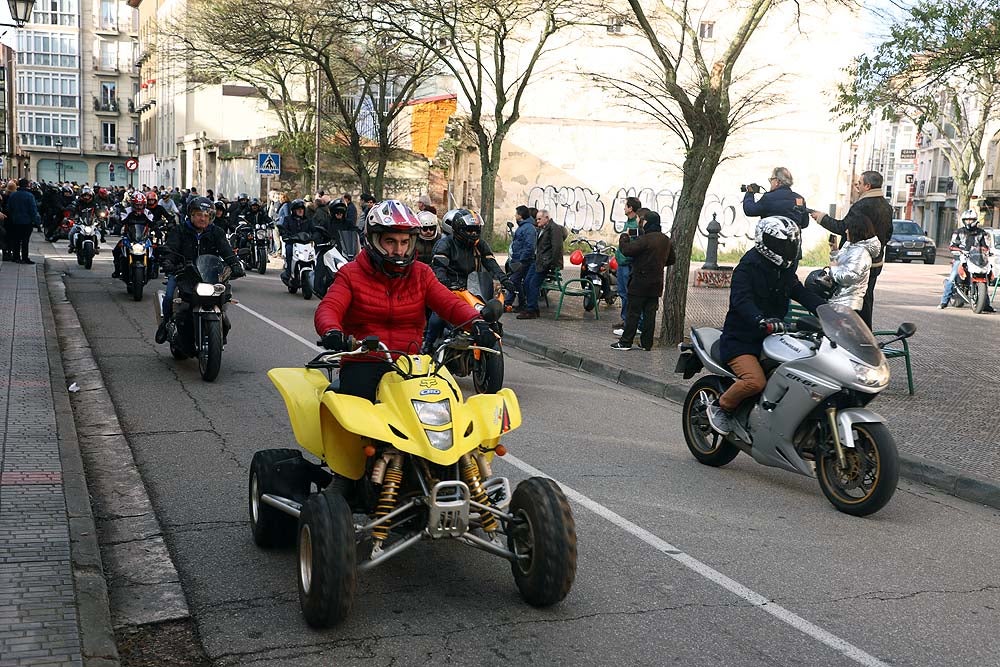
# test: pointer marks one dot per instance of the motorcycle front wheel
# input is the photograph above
(138, 282)
(705, 444)
(210, 354)
(307, 286)
(261, 260)
(88, 257)
(980, 293)
(487, 373)
(869, 479)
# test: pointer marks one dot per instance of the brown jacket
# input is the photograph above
(650, 252)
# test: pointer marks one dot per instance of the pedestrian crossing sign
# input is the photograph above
(269, 164)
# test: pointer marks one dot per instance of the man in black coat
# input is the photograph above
(650, 253)
(871, 202)
(780, 200)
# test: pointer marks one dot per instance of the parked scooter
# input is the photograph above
(199, 326)
(975, 273)
(333, 254)
(415, 465)
(598, 265)
(299, 274)
(821, 376)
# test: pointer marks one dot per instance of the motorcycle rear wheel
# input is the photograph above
(544, 531)
(210, 354)
(871, 475)
(980, 294)
(327, 560)
(270, 527)
(705, 444)
(588, 302)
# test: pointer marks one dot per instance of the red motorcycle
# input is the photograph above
(61, 231)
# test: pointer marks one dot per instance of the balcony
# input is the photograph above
(106, 24)
(107, 106)
(944, 185)
(105, 64)
(100, 146)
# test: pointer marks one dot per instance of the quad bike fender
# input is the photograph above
(495, 415)
(302, 389)
(847, 418)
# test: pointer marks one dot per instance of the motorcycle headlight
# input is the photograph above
(87, 230)
(261, 234)
(138, 248)
(872, 377)
(439, 439)
(433, 414)
(208, 289)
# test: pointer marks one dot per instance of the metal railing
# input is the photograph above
(109, 105)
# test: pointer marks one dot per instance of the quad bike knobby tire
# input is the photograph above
(705, 444)
(543, 531)
(327, 559)
(271, 527)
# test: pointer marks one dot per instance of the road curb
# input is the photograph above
(130, 536)
(967, 486)
(97, 638)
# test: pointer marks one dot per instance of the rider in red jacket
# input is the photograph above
(384, 293)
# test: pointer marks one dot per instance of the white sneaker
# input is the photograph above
(617, 332)
(719, 419)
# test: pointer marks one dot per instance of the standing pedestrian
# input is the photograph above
(632, 206)
(779, 200)
(650, 254)
(548, 256)
(352, 211)
(22, 212)
(870, 203)
(522, 255)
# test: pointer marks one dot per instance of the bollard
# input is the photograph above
(712, 249)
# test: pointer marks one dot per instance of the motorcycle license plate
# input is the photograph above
(914, 252)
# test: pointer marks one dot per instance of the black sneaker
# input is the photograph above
(620, 346)
(942, 306)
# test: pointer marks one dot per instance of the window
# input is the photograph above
(42, 128)
(48, 89)
(55, 12)
(109, 15)
(108, 56)
(109, 95)
(49, 49)
(615, 25)
(706, 30)
(109, 134)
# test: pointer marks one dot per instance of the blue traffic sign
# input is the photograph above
(269, 164)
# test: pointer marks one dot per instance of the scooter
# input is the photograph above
(975, 273)
(415, 465)
(597, 266)
(299, 274)
(822, 374)
(199, 326)
(333, 254)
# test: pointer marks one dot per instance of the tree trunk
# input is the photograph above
(700, 164)
(378, 183)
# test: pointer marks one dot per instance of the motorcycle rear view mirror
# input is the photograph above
(906, 329)
(492, 311)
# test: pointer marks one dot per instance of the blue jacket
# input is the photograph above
(22, 208)
(759, 289)
(778, 202)
(522, 248)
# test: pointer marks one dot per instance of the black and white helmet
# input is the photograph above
(778, 239)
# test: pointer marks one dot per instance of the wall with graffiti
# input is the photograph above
(580, 209)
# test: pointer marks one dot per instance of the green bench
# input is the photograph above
(896, 350)
(553, 282)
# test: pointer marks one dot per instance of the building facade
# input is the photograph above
(74, 80)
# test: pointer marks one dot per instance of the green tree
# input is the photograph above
(938, 68)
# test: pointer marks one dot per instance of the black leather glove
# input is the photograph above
(483, 335)
(771, 325)
(334, 340)
(507, 285)
(236, 267)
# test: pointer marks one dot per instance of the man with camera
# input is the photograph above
(779, 200)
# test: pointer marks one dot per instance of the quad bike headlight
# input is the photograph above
(208, 289)
(872, 377)
(439, 439)
(433, 414)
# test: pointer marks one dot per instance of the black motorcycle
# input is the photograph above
(332, 253)
(261, 242)
(86, 240)
(136, 261)
(597, 266)
(199, 326)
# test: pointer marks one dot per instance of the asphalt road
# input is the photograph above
(678, 563)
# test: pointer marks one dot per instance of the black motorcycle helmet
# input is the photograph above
(821, 283)
(296, 205)
(199, 204)
(465, 225)
(338, 207)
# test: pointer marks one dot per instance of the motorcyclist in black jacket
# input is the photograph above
(84, 203)
(195, 236)
(295, 223)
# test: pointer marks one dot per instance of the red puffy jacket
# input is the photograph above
(363, 301)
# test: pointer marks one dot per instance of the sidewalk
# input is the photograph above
(53, 601)
(946, 433)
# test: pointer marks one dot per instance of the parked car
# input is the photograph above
(909, 242)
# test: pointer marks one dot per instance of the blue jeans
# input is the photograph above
(949, 285)
(168, 297)
(433, 331)
(532, 283)
(624, 272)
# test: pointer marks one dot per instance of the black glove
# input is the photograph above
(334, 340)
(771, 325)
(236, 267)
(507, 285)
(483, 335)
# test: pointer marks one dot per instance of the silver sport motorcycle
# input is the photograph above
(821, 375)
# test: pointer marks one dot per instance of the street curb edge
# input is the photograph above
(974, 488)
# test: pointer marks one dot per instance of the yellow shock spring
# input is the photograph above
(470, 475)
(387, 498)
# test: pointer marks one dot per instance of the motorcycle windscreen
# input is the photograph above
(211, 269)
(845, 327)
(137, 232)
(348, 242)
(978, 260)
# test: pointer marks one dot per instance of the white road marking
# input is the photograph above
(734, 587)
(756, 599)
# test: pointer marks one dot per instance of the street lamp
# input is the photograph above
(59, 160)
(20, 11)
(131, 153)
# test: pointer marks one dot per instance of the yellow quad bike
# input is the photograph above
(415, 465)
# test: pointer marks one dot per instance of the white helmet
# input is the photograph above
(429, 230)
(778, 239)
(970, 217)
